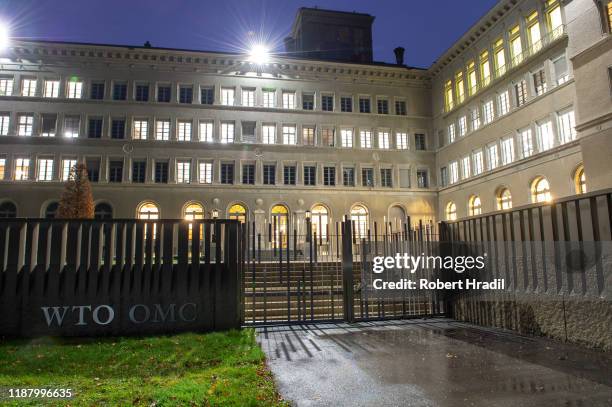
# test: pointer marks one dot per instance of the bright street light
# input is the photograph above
(259, 54)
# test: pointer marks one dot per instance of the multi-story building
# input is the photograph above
(503, 118)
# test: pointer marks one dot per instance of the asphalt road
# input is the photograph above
(431, 362)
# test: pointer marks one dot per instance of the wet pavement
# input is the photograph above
(431, 362)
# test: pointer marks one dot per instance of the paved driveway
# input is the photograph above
(434, 362)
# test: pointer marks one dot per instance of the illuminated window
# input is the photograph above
(205, 173)
(227, 96)
(609, 16)
(184, 130)
(485, 68)
(248, 97)
(2, 168)
(533, 32)
(567, 124)
(183, 171)
(465, 167)
(269, 96)
(75, 90)
(451, 133)
(453, 170)
(462, 126)
(22, 169)
(365, 139)
(448, 96)
(471, 78)
(516, 47)
(500, 58)
(289, 136)
(51, 89)
(540, 190)
(346, 138)
(227, 132)
(546, 138)
(360, 221)
(555, 21)
(328, 137)
(383, 139)
(475, 118)
(492, 156)
(6, 86)
(141, 129)
(206, 131)
(451, 211)
(504, 199)
(237, 212)
(308, 134)
(288, 100)
(319, 221)
(67, 165)
(526, 141)
(459, 87)
(503, 103)
(280, 223)
(5, 119)
(488, 112)
(478, 162)
(401, 141)
(44, 169)
(475, 206)
(194, 211)
(507, 150)
(148, 211)
(268, 134)
(28, 87)
(162, 130)
(26, 122)
(580, 180)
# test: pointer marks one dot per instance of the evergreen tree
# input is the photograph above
(77, 199)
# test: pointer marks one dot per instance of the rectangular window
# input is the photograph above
(248, 97)
(459, 87)
(141, 129)
(367, 177)
(546, 138)
(400, 107)
(115, 171)
(269, 174)
(485, 69)
(183, 171)
(118, 128)
(451, 133)
(555, 21)
(186, 94)
(97, 91)
(471, 78)
(6, 86)
(401, 141)
(22, 169)
(449, 102)
(507, 150)
(561, 71)
(289, 172)
(500, 58)
(227, 132)
(28, 87)
(422, 179)
(161, 172)
(488, 113)
(268, 134)
(207, 95)
(365, 139)
(94, 127)
(526, 141)
(567, 124)
(327, 103)
(364, 105)
(453, 172)
(462, 126)
(475, 119)
(478, 162)
(206, 173)
(227, 173)
(288, 100)
(539, 82)
(465, 167)
(310, 175)
(419, 142)
(44, 169)
(404, 178)
(162, 130)
(346, 104)
(383, 106)
(75, 90)
(308, 134)
(93, 169)
(139, 171)
(289, 136)
(386, 179)
(444, 176)
(227, 96)
(348, 177)
(71, 126)
(328, 137)
(383, 140)
(503, 103)
(248, 174)
(269, 98)
(206, 131)
(533, 32)
(492, 156)
(67, 165)
(142, 92)
(516, 47)
(307, 101)
(329, 176)
(120, 91)
(164, 93)
(51, 89)
(48, 125)
(184, 130)
(609, 16)
(520, 90)
(5, 120)
(26, 122)
(248, 132)
(346, 138)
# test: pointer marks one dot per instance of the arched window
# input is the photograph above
(51, 210)
(475, 206)
(280, 224)
(580, 180)
(451, 211)
(397, 218)
(504, 199)
(103, 211)
(237, 212)
(8, 210)
(319, 220)
(360, 220)
(148, 211)
(193, 211)
(540, 190)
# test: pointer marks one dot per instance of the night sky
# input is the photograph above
(425, 28)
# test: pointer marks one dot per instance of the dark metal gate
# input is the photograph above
(325, 273)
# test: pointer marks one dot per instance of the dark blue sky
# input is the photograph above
(426, 28)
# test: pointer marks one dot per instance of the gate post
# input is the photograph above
(347, 271)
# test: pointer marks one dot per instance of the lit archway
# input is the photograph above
(504, 199)
(360, 218)
(237, 212)
(451, 211)
(580, 180)
(474, 206)
(148, 211)
(193, 211)
(280, 224)
(320, 221)
(397, 218)
(540, 190)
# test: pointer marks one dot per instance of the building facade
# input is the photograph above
(502, 119)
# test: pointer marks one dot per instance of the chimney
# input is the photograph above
(399, 55)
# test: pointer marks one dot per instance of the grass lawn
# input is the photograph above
(188, 369)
